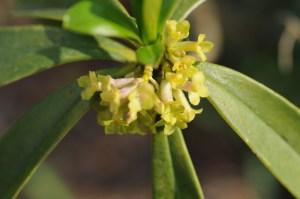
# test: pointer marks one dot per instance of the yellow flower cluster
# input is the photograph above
(142, 102)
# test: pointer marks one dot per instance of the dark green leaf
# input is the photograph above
(37, 133)
(50, 14)
(268, 123)
(31, 49)
(106, 18)
(187, 183)
(184, 8)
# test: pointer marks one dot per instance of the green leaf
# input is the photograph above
(49, 14)
(267, 122)
(174, 175)
(163, 174)
(151, 54)
(187, 183)
(152, 15)
(37, 133)
(116, 50)
(167, 9)
(147, 13)
(184, 8)
(27, 50)
(106, 18)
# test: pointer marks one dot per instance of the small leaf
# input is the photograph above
(187, 183)
(49, 14)
(268, 123)
(116, 50)
(103, 17)
(38, 132)
(151, 54)
(184, 8)
(27, 50)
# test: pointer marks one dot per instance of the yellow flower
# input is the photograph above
(160, 96)
(142, 98)
(90, 85)
(176, 31)
(110, 94)
(196, 88)
(203, 47)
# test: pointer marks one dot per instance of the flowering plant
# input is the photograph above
(156, 92)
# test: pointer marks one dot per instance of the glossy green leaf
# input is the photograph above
(167, 9)
(184, 8)
(116, 50)
(187, 183)
(151, 12)
(174, 175)
(268, 123)
(106, 18)
(27, 50)
(37, 133)
(147, 13)
(49, 14)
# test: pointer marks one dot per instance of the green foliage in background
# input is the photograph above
(268, 123)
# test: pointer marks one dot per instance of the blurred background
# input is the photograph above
(257, 37)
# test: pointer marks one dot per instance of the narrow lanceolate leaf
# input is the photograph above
(27, 50)
(151, 12)
(163, 174)
(268, 123)
(167, 9)
(184, 8)
(116, 50)
(103, 17)
(49, 14)
(187, 183)
(36, 134)
(147, 13)
(174, 175)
